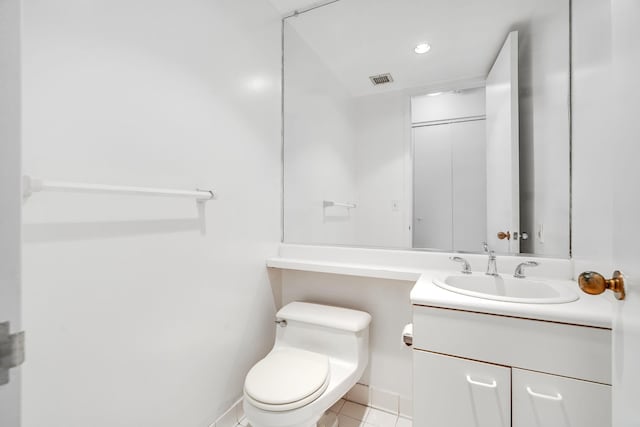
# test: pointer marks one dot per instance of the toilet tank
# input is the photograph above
(340, 333)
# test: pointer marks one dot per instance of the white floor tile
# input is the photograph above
(404, 422)
(351, 414)
(359, 393)
(337, 406)
(344, 421)
(379, 418)
(329, 419)
(354, 410)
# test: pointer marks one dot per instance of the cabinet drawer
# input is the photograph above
(454, 392)
(541, 400)
(556, 348)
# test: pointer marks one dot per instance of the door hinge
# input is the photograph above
(11, 351)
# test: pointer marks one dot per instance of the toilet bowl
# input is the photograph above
(319, 353)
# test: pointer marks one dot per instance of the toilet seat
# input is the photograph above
(288, 378)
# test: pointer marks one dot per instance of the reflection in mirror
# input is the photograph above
(449, 170)
(388, 147)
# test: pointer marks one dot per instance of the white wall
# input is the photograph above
(134, 318)
(383, 155)
(319, 162)
(10, 195)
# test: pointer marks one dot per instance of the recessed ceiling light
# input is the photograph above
(434, 94)
(422, 48)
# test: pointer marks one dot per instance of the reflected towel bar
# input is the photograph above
(329, 203)
(34, 185)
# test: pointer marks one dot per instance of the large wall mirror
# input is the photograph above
(429, 124)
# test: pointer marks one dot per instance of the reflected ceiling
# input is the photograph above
(393, 28)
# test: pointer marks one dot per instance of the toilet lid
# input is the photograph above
(287, 378)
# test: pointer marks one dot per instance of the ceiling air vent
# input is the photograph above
(381, 79)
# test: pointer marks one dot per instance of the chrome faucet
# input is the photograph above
(520, 268)
(466, 268)
(492, 267)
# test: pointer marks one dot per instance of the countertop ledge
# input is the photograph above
(592, 311)
(348, 269)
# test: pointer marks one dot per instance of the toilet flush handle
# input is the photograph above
(281, 322)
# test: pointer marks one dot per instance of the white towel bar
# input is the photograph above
(34, 185)
(329, 203)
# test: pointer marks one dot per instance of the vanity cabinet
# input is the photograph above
(456, 392)
(475, 369)
(554, 401)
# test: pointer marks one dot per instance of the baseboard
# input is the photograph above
(381, 399)
(232, 416)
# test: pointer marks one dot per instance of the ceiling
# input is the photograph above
(360, 38)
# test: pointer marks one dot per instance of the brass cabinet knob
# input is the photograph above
(502, 235)
(594, 283)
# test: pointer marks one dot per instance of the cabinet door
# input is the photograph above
(543, 400)
(453, 392)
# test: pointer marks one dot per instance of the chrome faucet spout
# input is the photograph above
(492, 267)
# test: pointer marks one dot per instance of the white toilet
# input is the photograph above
(320, 352)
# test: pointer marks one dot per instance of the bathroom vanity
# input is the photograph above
(544, 361)
(481, 362)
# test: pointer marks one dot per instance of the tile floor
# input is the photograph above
(351, 414)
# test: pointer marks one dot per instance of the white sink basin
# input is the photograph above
(509, 289)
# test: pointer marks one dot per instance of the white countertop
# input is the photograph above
(347, 269)
(420, 267)
(588, 310)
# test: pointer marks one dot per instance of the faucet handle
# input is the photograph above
(485, 247)
(466, 268)
(519, 273)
